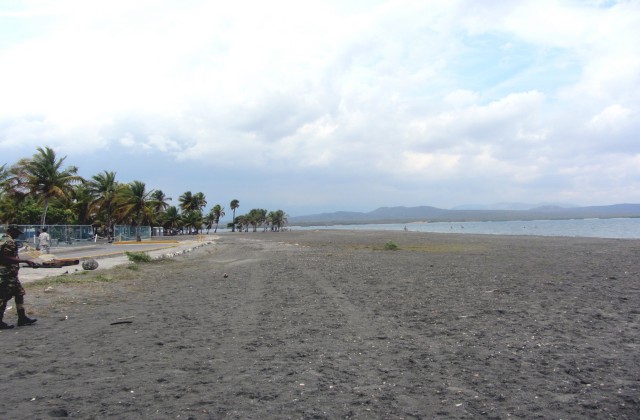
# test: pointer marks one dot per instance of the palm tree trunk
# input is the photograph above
(109, 223)
(44, 212)
(233, 222)
(138, 223)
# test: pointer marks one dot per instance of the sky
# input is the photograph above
(322, 106)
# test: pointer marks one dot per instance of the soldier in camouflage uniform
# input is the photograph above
(10, 286)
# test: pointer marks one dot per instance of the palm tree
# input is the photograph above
(209, 220)
(233, 206)
(218, 212)
(278, 219)
(241, 221)
(171, 218)
(134, 203)
(8, 207)
(194, 219)
(81, 204)
(192, 202)
(43, 177)
(159, 201)
(11, 198)
(70, 210)
(191, 205)
(186, 201)
(4, 177)
(257, 217)
(103, 187)
(200, 201)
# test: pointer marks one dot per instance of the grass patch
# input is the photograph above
(77, 278)
(138, 257)
(391, 246)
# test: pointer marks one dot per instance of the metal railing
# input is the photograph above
(66, 235)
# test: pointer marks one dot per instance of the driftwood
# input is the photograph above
(55, 263)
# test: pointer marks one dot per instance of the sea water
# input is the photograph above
(593, 228)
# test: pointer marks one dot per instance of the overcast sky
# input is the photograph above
(314, 106)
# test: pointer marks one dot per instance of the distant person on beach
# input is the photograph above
(10, 286)
(44, 241)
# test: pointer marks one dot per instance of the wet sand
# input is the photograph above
(328, 324)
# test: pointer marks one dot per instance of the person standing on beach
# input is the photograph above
(10, 286)
(44, 241)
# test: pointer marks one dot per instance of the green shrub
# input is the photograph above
(391, 246)
(138, 256)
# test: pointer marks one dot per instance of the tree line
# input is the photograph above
(39, 190)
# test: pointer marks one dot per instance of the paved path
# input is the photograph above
(111, 255)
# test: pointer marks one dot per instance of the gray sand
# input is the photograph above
(330, 325)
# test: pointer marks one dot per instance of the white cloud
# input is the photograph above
(128, 140)
(612, 118)
(460, 91)
(460, 98)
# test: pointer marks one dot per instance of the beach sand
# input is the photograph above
(328, 324)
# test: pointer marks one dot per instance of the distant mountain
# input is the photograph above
(434, 214)
(510, 206)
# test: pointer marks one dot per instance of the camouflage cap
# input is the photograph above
(14, 228)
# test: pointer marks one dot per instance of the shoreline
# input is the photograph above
(611, 228)
(330, 325)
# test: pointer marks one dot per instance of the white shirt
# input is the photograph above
(44, 239)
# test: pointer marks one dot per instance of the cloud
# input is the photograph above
(612, 118)
(464, 93)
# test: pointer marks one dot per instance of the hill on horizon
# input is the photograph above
(511, 206)
(401, 214)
